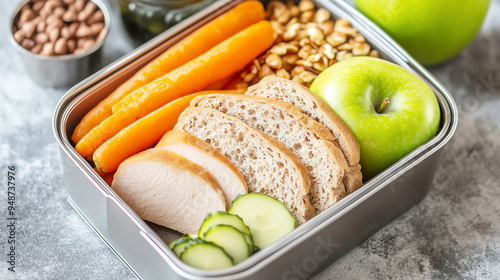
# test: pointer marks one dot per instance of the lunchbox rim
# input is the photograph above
(448, 126)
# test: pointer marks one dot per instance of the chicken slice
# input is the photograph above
(167, 189)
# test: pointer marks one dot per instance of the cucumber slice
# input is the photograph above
(179, 245)
(250, 243)
(267, 218)
(206, 255)
(222, 218)
(179, 248)
(233, 241)
(184, 238)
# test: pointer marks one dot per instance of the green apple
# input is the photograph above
(432, 31)
(388, 109)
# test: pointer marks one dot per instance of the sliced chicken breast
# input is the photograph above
(167, 189)
(191, 147)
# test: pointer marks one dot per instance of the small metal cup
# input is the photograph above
(62, 70)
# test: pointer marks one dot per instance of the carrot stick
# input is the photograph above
(144, 133)
(236, 83)
(222, 60)
(192, 46)
(109, 178)
(100, 173)
(221, 83)
(217, 63)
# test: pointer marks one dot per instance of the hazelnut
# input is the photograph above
(28, 44)
(37, 48)
(72, 28)
(40, 27)
(53, 34)
(51, 5)
(65, 32)
(87, 11)
(41, 38)
(37, 6)
(25, 16)
(83, 31)
(60, 46)
(88, 43)
(95, 17)
(59, 11)
(69, 16)
(96, 28)
(19, 36)
(78, 5)
(28, 29)
(71, 45)
(47, 49)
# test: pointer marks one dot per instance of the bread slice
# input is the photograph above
(266, 164)
(200, 152)
(167, 189)
(315, 108)
(309, 140)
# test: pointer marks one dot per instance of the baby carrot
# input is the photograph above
(109, 178)
(194, 45)
(219, 62)
(102, 174)
(221, 83)
(237, 83)
(144, 133)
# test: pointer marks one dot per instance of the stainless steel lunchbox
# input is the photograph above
(299, 255)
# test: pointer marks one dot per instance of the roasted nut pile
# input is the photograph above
(56, 27)
(307, 42)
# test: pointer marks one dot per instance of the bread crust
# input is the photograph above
(319, 111)
(220, 128)
(310, 141)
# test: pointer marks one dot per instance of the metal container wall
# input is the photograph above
(300, 254)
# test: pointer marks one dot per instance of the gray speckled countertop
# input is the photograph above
(453, 233)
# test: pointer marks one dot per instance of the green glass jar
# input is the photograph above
(144, 19)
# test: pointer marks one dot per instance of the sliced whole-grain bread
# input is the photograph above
(266, 164)
(315, 108)
(309, 140)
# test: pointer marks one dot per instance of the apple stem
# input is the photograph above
(384, 104)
